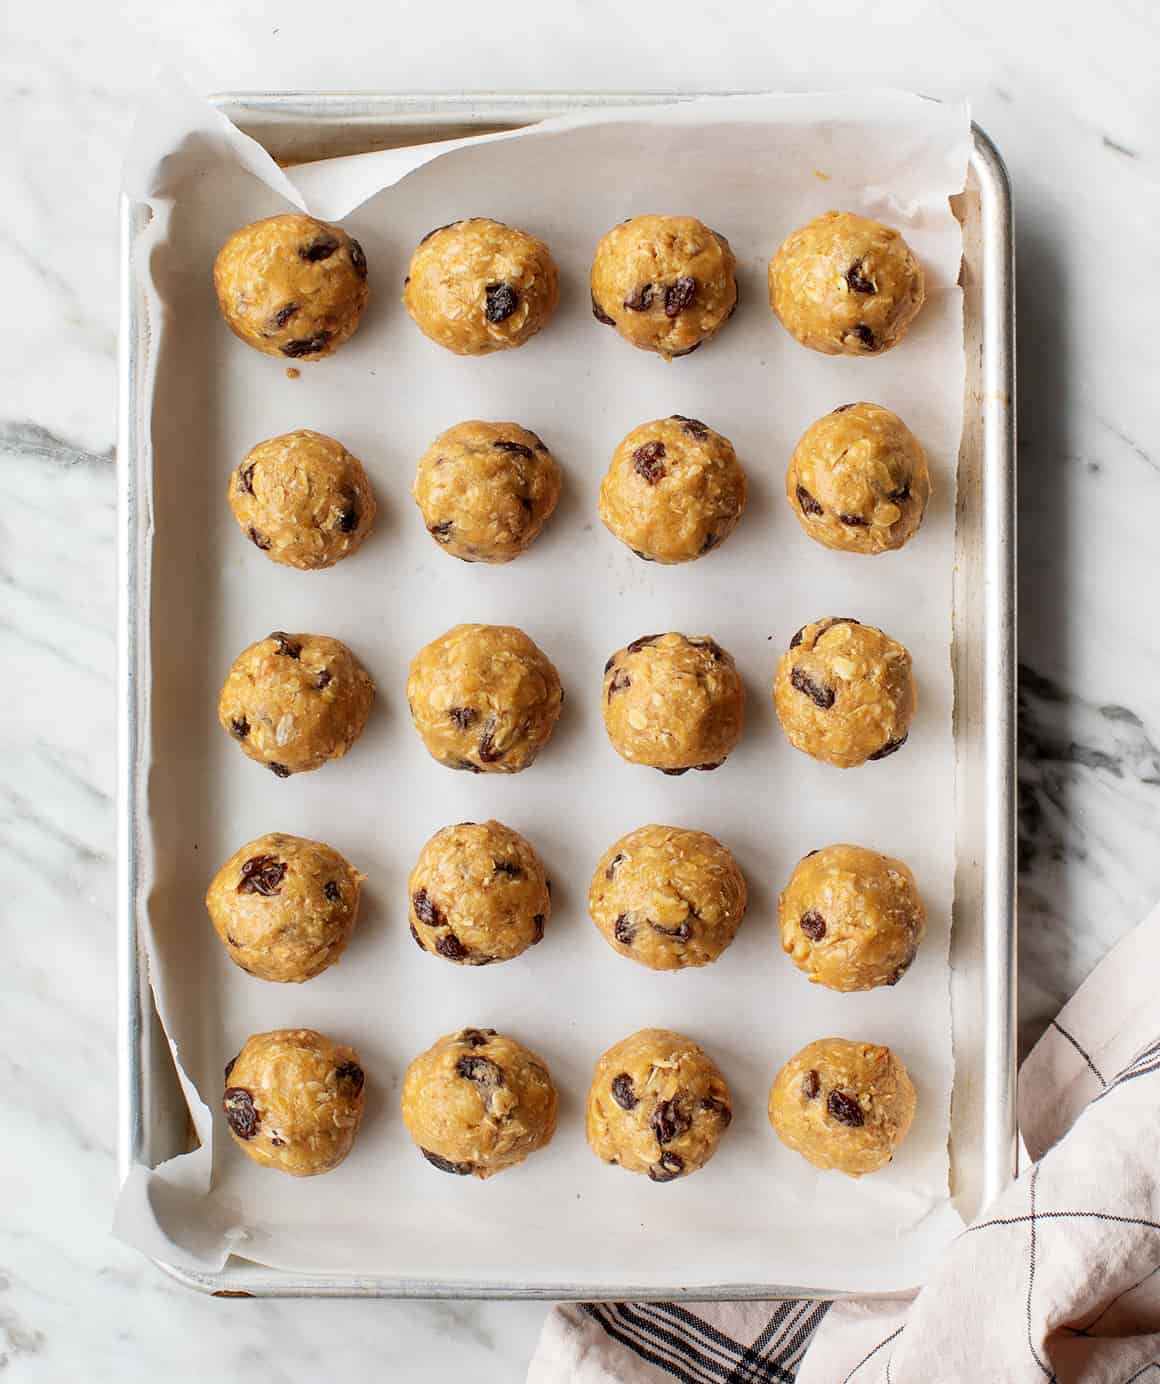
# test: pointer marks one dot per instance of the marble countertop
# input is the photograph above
(1069, 97)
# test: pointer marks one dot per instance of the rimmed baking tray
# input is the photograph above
(299, 127)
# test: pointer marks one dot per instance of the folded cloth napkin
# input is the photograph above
(1058, 1280)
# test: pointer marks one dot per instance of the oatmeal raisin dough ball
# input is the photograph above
(284, 906)
(294, 1100)
(291, 286)
(845, 285)
(673, 702)
(674, 490)
(302, 499)
(667, 897)
(844, 692)
(843, 1105)
(484, 698)
(657, 1105)
(485, 490)
(666, 283)
(850, 918)
(858, 480)
(478, 286)
(478, 893)
(476, 1103)
(295, 701)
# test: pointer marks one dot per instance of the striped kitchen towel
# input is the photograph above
(1058, 1282)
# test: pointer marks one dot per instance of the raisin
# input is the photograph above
(262, 874)
(415, 935)
(809, 853)
(811, 1084)
(813, 925)
(688, 351)
(476, 1037)
(675, 773)
(670, 1120)
(644, 557)
(483, 1074)
(679, 295)
(642, 643)
(241, 1116)
(693, 426)
(231, 1064)
(440, 532)
(351, 1073)
(239, 727)
(277, 1143)
(889, 748)
(348, 518)
(807, 502)
(509, 868)
(600, 315)
(797, 639)
(668, 1167)
(287, 647)
(708, 768)
(426, 910)
(487, 750)
(246, 480)
(620, 680)
(624, 930)
(448, 945)
(445, 1165)
(902, 493)
(608, 665)
(842, 408)
(306, 346)
(865, 336)
(331, 891)
(321, 248)
(845, 1109)
(278, 770)
(612, 864)
(623, 1091)
(283, 315)
(854, 521)
(540, 445)
(258, 540)
(817, 692)
(463, 716)
(858, 282)
(358, 259)
(516, 448)
(709, 543)
(502, 301)
(646, 461)
(718, 1108)
(464, 764)
(538, 925)
(641, 299)
(324, 679)
(681, 933)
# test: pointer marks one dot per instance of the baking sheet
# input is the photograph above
(752, 167)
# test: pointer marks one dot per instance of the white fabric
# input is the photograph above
(1058, 1280)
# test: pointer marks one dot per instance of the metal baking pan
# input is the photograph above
(303, 126)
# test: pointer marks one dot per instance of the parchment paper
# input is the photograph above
(754, 168)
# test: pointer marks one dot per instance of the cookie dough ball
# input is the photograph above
(478, 286)
(673, 702)
(294, 1099)
(666, 283)
(484, 698)
(858, 480)
(478, 894)
(295, 701)
(844, 692)
(291, 286)
(486, 490)
(284, 906)
(851, 919)
(477, 1103)
(657, 1105)
(843, 1105)
(302, 499)
(845, 285)
(667, 897)
(674, 490)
